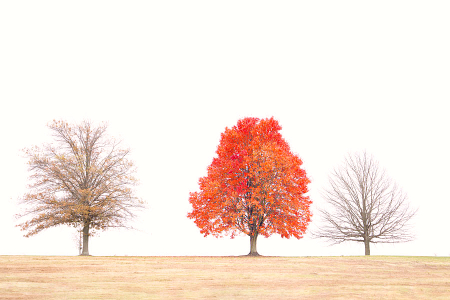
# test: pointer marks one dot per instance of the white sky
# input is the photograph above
(169, 76)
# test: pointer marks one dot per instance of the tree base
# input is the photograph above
(84, 254)
(253, 254)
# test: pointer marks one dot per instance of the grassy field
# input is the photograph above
(376, 277)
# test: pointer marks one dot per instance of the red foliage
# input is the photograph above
(255, 185)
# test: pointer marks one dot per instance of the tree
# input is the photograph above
(365, 205)
(83, 180)
(254, 186)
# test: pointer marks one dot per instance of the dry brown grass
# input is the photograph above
(42, 277)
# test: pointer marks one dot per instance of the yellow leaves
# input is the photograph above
(83, 175)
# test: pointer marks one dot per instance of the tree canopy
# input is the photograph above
(84, 179)
(364, 205)
(254, 186)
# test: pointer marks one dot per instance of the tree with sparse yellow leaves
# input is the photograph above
(84, 179)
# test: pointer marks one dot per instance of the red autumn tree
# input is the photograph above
(255, 185)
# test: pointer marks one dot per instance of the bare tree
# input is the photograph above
(84, 179)
(364, 205)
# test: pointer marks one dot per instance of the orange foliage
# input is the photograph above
(255, 185)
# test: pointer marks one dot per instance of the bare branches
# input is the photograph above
(364, 205)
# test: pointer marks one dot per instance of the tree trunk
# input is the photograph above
(85, 239)
(367, 246)
(253, 251)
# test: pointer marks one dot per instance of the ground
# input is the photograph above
(375, 277)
